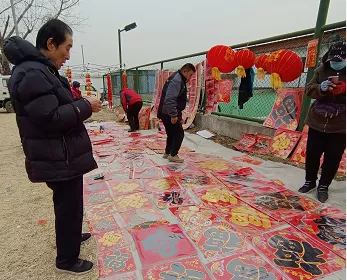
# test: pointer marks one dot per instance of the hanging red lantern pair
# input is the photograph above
(284, 66)
(221, 59)
(224, 59)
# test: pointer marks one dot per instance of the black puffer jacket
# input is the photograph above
(173, 99)
(328, 123)
(50, 122)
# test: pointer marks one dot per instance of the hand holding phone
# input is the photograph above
(334, 79)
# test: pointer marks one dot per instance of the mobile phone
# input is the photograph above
(334, 79)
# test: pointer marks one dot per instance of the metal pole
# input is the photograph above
(14, 18)
(84, 68)
(321, 20)
(120, 58)
(120, 50)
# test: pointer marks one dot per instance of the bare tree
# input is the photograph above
(31, 14)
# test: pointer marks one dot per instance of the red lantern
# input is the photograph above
(261, 64)
(244, 59)
(284, 66)
(109, 90)
(221, 58)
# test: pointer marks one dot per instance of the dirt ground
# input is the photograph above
(28, 246)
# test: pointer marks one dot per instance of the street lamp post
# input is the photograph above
(120, 49)
(126, 29)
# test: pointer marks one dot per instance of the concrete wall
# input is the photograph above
(231, 127)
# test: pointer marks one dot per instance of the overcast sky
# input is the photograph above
(167, 29)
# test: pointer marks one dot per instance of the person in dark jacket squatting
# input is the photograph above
(56, 145)
(132, 104)
(172, 102)
(326, 120)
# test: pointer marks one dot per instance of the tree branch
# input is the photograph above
(64, 8)
(29, 30)
(6, 9)
(32, 12)
(60, 9)
(71, 5)
(21, 17)
(6, 25)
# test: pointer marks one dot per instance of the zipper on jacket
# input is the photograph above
(66, 151)
(325, 125)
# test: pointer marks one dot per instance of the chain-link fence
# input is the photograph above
(143, 81)
(258, 107)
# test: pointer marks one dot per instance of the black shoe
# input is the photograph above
(79, 268)
(85, 237)
(131, 130)
(322, 193)
(307, 187)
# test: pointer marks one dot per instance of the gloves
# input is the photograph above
(324, 86)
(340, 88)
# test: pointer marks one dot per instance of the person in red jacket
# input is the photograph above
(132, 104)
(76, 93)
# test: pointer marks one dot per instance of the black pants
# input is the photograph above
(68, 210)
(175, 135)
(133, 115)
(333, 146)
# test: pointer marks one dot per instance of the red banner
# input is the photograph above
(326, 226)
(248, 265)
(246, 143)
(284, 142)
(223, 90)
(286, 110)
(211, 104)
(190, 269)
(299, 155)
(109, 90)
(262, 144)
(194, 91)
(144, 117)
(297, 256)
(311, 56)
(156, 245)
